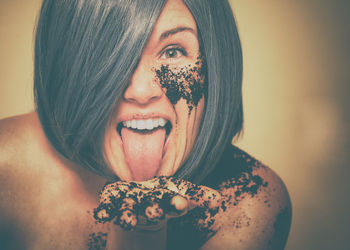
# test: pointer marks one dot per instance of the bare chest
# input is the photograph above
(60, 224)
(49, 214)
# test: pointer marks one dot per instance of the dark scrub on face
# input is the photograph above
(188, 83)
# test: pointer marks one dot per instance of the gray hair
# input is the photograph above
(85, 54)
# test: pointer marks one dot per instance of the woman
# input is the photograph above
(127, 91)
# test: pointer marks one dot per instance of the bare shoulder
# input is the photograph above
(17, 136)
(20, 143)
(256, 210)
(27, 162)
(20, 140)
(37, 183)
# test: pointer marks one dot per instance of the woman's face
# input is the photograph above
(157, 120)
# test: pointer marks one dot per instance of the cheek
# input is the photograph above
(185, 87)
(187, 83)
(188, 126)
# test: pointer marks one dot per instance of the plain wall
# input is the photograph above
(296, 78)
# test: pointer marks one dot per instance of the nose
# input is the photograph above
(143, 87)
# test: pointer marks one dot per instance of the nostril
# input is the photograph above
(143, 96)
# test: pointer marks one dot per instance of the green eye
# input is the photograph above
(173, 53)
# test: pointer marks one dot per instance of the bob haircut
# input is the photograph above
(85, 54)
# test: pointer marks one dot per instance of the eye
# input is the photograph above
(172, 53)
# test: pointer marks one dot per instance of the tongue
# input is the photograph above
(143, 152)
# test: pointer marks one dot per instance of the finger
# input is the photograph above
(104, 212)
(179, 206)
(179, 202)
(151, 206)
(197, 195)
(126, 214)
(127, 220)
(110, 199)
(154, 213)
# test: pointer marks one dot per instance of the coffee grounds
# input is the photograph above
(188, 83)
(245, 183)
(234, 175)
(122, 202)
(97, 241)
(200, 221)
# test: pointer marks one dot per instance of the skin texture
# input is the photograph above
(50, 203)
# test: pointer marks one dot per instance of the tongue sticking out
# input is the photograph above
(143, 152)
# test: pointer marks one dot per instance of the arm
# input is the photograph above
(257, 216)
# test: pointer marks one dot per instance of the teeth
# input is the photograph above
(149, 124)
(141, 124)
(145, 124)
(162, 122)
(133, 124)
(155, 123)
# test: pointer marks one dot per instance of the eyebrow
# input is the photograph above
(174, 31)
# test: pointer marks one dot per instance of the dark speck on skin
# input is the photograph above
(97, 241)
(242, 221)
(243, 182)
(188, 83)
(198, 225)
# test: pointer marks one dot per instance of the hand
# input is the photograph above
(149, 203)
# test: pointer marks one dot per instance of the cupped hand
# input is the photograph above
(149, 203)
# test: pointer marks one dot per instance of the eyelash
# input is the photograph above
(170, 48)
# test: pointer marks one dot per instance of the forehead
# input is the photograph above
(174, 14)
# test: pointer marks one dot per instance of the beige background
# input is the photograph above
(296, 58)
